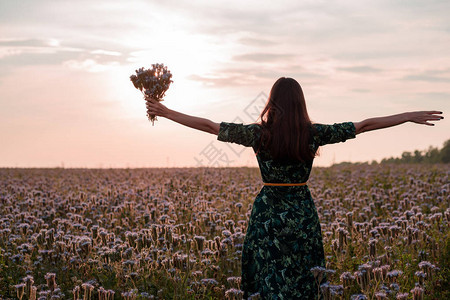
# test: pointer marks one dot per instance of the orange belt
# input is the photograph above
(285, 184)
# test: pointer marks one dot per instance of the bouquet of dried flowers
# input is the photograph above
(153, 83)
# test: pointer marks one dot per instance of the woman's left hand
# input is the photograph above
(156, 108)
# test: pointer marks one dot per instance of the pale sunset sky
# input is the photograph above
(66, 98)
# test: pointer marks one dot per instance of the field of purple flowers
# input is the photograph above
(178, 233)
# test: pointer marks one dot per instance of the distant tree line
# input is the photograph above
(431, 156)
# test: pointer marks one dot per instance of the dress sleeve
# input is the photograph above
(246, 135)
(330, 134)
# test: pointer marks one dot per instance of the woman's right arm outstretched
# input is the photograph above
(419, 117)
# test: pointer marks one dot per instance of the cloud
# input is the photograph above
(28, 42)
(262, 57)
(249, 75)
(256, 41)
(436, 100)
(106, 52)
(222, 81)
(360, 69)
(440, 75)
(90, 65)
(18, 46)
(428, 78)
(30, 52)
(361, 90)
(435, 95)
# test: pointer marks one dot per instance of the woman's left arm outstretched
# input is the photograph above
(156, 108)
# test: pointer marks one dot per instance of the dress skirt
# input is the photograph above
(283, 242)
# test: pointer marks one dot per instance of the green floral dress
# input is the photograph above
(283, 240)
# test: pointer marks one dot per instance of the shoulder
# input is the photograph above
(343, 125)
(228, 125)
(228, 129)
(336, 128)
(239, 133)
(314, 128)
(329, 134)
(254, 126)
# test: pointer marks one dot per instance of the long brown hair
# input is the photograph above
(285, 122)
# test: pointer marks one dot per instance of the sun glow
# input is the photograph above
(184, 55)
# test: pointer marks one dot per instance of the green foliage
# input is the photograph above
(431, 156)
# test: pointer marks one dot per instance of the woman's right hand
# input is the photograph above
(423, 117)
(156, 108)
